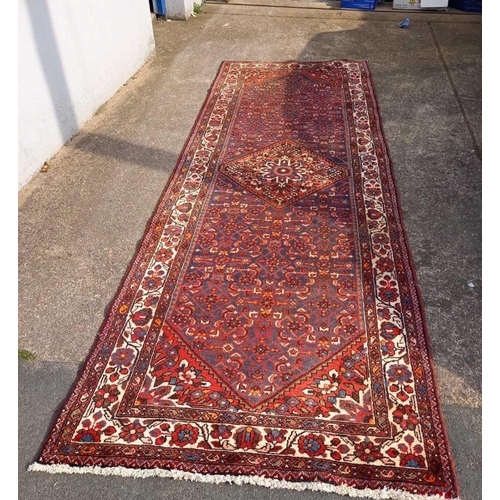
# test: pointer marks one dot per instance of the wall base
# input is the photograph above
(179, 9)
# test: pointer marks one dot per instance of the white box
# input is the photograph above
(434, 4)
(420, 4)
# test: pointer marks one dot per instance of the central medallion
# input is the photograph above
(283, 172)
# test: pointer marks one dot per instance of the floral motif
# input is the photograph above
(221, 432)
(399, 373)
(106, 395)
(184, 435)
(123, 357)
(276, 436)
(388, 291)
(412, 460)
(312, 445)
(88, 436)
(247, 438)
(132, 432)
(406, 417)
(367, 451)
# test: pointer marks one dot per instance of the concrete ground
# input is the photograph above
(80, 222)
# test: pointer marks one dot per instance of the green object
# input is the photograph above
(197, 8)
(24, 354)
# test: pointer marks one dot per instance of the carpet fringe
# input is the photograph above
(377, 494)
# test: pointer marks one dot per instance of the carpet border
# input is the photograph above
(109, 309)
(341, 489)
(406, 240)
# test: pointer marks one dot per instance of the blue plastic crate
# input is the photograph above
(467, 5)
(358, 4)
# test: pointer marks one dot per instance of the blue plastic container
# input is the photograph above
(467, 5)
(358, 4)
(159, 7)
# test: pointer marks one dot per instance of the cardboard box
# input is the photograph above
(420, 4)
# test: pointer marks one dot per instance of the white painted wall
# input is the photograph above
(73, 56)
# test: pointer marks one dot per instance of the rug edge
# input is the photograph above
(416, 284)
(86, 363)
(341, 489)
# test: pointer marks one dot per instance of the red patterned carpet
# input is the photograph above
(269, 330)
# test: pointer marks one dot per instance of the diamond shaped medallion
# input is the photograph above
(283, 173)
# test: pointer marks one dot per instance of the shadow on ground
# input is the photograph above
(119, 149)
